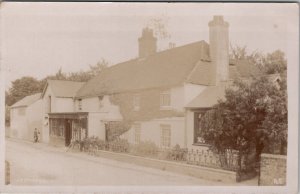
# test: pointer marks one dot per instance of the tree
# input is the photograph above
(22, 87)
(251, 119)
(270, 63)
(100, 66)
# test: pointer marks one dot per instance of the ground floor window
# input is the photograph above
(165, 135)
(197, 127)
(57, 127)
(79, 129)
(137, 133)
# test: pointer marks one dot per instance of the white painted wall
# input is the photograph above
(88, 105)
(177, 98)
(191, 91)
(22, 126)
(34, 115)
(96, 127)
(18, 123)
(63, 105)
(151, 131)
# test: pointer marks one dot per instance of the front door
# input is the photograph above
(68, 132)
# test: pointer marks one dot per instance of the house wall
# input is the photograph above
(96, 127)
(34, 116)
(18, 123)
(63, 105)
(191, 91)
(151, 131)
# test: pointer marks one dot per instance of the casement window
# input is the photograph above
(165, 99)
(137, 133)
(100, 99)
(21, 111)
(79, 104)
(165, 137)
(136, 102)
(197, 128)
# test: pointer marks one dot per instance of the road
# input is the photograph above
(41, 164)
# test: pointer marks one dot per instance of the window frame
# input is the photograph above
(165, 96)
(136, 101)
(165, 137)
(137, 132)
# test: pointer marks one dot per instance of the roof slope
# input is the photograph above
(26, 101)
(62, 88)
(210, 96)
(162, 69)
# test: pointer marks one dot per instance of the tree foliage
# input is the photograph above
(253, 114)
(269, 63)
(28, 85)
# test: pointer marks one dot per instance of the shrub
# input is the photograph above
(147, 148)
(119, 145)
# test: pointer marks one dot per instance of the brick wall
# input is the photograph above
(272, 170)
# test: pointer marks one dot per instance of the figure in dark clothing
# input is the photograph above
(36, 135)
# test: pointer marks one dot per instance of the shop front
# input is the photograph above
(67, 127)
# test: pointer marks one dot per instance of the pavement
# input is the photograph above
(42, 164)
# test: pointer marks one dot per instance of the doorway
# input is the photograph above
(68, 132)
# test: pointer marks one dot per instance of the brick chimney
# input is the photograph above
(147, 43)
(219, 48)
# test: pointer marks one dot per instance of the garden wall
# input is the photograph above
(191, 170)
(272, 170)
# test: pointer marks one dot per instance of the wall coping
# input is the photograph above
(273, 156)
(170, 162)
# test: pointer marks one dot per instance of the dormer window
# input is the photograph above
(165, 99)
(136, 102)
(79, 104)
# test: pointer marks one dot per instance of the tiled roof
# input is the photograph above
(26, 101)
(163, 69)
(61, 88)
(189, 63)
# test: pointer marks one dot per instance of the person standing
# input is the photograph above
(36, 135)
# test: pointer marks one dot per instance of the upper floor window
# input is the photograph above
(136, 102)
(165, 99)
(79, 104)
(165, 137)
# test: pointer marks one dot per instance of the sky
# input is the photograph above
(39, 38)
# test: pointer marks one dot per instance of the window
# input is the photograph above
(21, 111)
(136, 102)
(165, 99)
(79, 104)
(197, 128)
(57, 127)
(137, 133)
(165, 135)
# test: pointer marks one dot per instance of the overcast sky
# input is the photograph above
(39, 38)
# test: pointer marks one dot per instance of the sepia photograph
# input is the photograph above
(149, 97)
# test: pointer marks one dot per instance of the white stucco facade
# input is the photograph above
(25, 119)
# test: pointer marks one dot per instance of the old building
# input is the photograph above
(25, 116)
(159, 94)
(152, 91)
